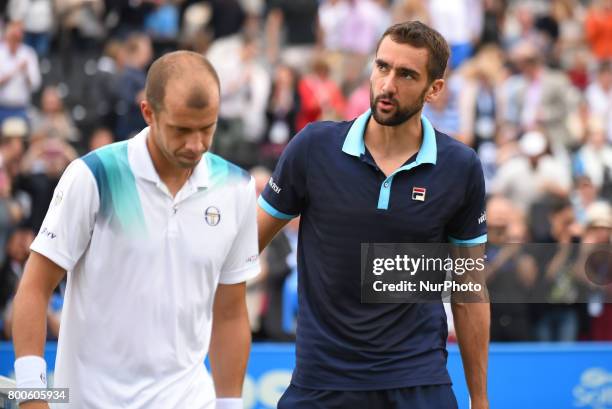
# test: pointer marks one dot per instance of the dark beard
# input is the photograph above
(401, 115)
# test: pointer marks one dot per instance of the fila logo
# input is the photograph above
(418, 193)
(212, 215)
(482, 218)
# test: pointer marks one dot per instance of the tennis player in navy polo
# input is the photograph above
(388, 176)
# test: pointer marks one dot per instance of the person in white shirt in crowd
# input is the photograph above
(460, 22)
(539, 97)
(599, 96)
(38, 19)
(594, 158)
(245, 88)
(19, 73)
(158, 237)
(531, 175)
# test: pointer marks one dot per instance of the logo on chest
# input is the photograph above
(212, 215)
(418, 193)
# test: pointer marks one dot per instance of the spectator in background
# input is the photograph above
(460, 22)
(599, 96)
(298, 18)
(493, 21)
(598, 29)
(598, 232)
(443, 113)
(409, 10)
(531, 175)
(43, 164)
(100, 137)
(38, 19)
(558, 321)
(245, 87)
(17, 251)
(358, 101)
(19, 73)
(320, 96)
(480, 97)
(569, 15)
(52, 118)
(162, 24)
(511, 274)
(332, 16)
(519, 24)
(594, 159)
(228, 18)
(584, 195)
(130, 84)
(12, 133)
(363, 25)
(80, 27)
(539, 98)
(281, 113)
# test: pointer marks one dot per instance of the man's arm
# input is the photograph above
(41, 276)
(267, 227)
(472, 318)
(230, 341)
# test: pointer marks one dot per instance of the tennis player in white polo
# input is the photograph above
(158, 238)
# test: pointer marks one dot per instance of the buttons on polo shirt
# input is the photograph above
(386, 184)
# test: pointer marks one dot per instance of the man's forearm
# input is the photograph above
(29, 322)
(229, 354)
(472, 322)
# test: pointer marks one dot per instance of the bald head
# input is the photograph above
(184, 70)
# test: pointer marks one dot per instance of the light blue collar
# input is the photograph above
(355, 146)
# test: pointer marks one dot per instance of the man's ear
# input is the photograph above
(435, 89)
(147, 112)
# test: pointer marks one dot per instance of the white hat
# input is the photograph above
(14, 127)
(599, 214)
(532, 143)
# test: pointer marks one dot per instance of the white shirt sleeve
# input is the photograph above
(242, 262)
(33, 71)
(68, 225)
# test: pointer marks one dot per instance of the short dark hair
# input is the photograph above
(420, 35)
(177, 64)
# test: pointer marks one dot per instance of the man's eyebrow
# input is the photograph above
(405, 70)
(400, 70)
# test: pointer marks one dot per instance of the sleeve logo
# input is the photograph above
(482, 218)
(277, 189)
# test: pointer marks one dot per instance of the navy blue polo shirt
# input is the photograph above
(327, 176)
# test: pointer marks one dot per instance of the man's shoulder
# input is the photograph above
(453, 152)
(326, 133)
(221, 171)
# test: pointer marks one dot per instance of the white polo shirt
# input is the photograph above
(142, 272)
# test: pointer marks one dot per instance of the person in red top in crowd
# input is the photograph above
(320, 97)
(598, 29)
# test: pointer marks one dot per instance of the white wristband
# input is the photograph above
(229, 403)
(31, 372)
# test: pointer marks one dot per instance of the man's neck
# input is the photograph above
(394, 140)
(173, 177)
(392, 146)
(13, 47)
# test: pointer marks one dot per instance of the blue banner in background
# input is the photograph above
(525, 376)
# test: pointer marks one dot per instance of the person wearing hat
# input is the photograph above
(533, 173)
(13, 131)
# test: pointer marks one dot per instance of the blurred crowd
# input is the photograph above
(529, 87)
